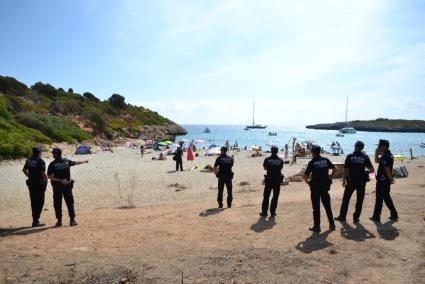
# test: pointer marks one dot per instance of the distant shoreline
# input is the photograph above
(377, 125)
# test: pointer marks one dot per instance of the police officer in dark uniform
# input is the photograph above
(223, 170)
(178, 157)
(384, 180)
(355, 178)
(317, 176)
(273, 165)
(59, 174)
(35, 170)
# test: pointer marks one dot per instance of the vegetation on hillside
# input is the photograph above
(43, 113)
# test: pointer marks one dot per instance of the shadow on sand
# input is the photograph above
(387, 231)
(263, 224)
(314, 243)
(211, 211)
(357, 233)
(21, 231)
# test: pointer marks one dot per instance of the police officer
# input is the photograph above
(384, 180)
(223, 170)
(317, 176)
(178, 157)
(273, 165)
(355, 178)
(59, 174)
(35, 170)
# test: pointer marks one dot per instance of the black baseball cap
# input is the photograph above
(57, 151)
(383, 142)
(359, 144)
(316, 149)
(36, 150)
(274, 150)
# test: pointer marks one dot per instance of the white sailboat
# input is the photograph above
(254, 126)
(348, 129)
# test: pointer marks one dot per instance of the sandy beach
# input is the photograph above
(175, 235)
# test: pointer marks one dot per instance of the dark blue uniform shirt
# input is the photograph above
(319, 167)
(356, 163)
(60, 168)
(224, 164)
(387, 160)
(35, 167)
(274, 166)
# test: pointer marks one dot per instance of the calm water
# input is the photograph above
(400, 142)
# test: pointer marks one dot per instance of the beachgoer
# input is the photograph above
(286, 151)
(317, 177)
(142, 149)
(354, 179)
(223, 170)
(227, 144)
(59, 173)
(35, 170)
(384, 180)
(178, 157)
(273, 165)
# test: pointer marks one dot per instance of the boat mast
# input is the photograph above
(253, 111)
(346, 112)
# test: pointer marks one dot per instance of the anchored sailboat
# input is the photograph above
(348, 129)
(254, 126)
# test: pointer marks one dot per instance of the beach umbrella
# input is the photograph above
(190, 156)
(162, 143)
(199, 141)
(168, 142)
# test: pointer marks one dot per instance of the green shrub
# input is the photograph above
(58, 128)
(17, 140)
(95, 120)
(3, 109)
(45, 89)
(9, 85)
(117, 101)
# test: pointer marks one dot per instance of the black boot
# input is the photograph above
(72, 222)
(59, 223)
(36, 223)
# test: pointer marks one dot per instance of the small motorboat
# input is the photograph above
(207, 130)
(422, 145)
(272, 134)
(339, 135)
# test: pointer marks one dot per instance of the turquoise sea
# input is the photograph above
(400, 142)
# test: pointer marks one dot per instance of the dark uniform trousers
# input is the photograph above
(360, 188)
(268, 188)
(37, 193)
(383, 195)
(320, 192)
(66, 192)
(179, 163)
(228, 182)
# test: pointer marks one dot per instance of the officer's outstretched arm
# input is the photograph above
(25, 171)
(81, 162)
(371, 169)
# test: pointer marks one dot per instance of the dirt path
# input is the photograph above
(162, 244)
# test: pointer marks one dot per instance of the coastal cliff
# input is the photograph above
(44, 114)
(377, 125)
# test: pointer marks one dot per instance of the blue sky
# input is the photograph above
(207, 61)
